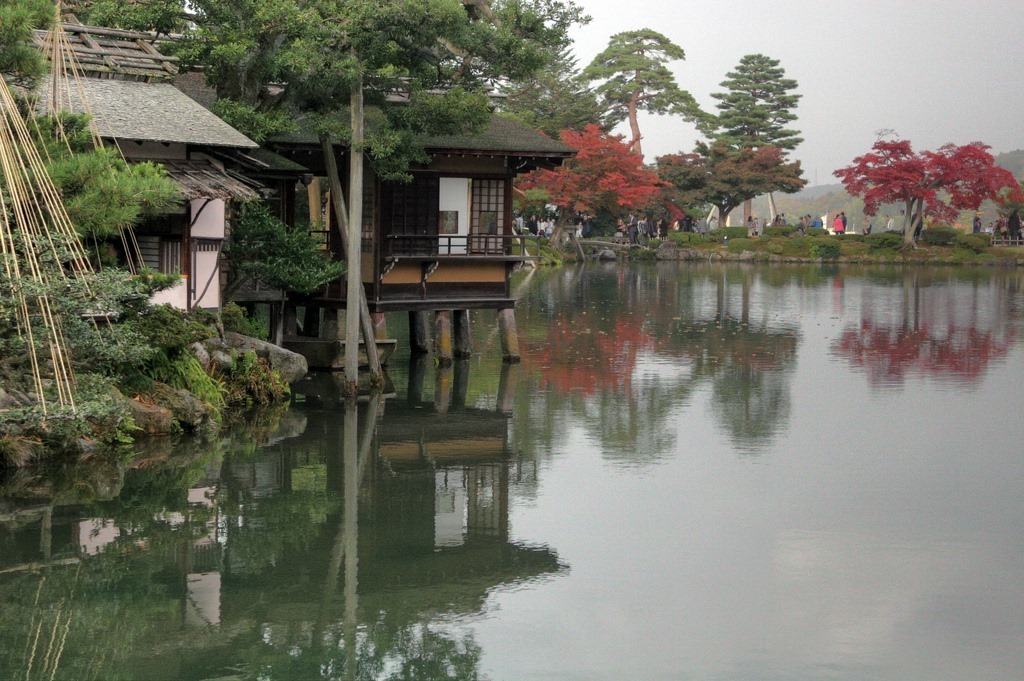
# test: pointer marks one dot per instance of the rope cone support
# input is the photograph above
(39, 249)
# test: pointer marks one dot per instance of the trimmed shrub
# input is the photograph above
(883, 241)
(817, 231)
(974, 242)
(729, 233)
(686, 238)
(940, 236)
(776, 248)
(236, 319)
(741, 244)
(783, 231)
(824, 248)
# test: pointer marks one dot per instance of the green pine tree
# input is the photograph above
(557, 99)
(635, 77)
(20, 60)
(757, 105)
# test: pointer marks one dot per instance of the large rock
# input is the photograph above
(291, 365)
(187, 409)
(151, 418)
(202, 354)
(607, 254)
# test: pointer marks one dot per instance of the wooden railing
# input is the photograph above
(457, 245)
(1008, 241)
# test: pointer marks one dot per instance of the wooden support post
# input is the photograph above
(443, 337)
(311, 321)
(419, 333)
(461, 389)
(507, 385)
(509, 335)
(463, 339)
(313, 198)
(417, 374)
(443, 388)
(332, 327)
(277, 322)
(291, 327)
(380, 325)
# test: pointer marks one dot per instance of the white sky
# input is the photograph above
(936, 72)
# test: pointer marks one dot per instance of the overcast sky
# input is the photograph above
(936, 72)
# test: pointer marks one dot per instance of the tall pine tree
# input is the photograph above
(558, 98)
(757, 105)
(635, 77)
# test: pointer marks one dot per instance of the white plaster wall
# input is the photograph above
(207, 271)
(176, 296)
(455, 195)
(209, 223)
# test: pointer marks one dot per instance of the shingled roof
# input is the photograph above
(153, 112)
(102, 52)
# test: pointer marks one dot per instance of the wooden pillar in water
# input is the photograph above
(443, 388)
(509, 335)
(419, 333)
(461, 387)
(463, 340)
(417, 373)
(443, 337)
(380, 325)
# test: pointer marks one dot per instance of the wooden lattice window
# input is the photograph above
(487, 214)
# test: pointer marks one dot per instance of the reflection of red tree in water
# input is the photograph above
(578, 356)
(888, 355)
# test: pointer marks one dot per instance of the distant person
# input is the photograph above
(837, 225)
(842, 216)
(890, 224)
(532, 225)
(817, 223)
(976, 225)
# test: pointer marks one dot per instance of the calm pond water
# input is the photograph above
(697, 473)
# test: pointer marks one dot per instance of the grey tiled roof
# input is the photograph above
(154, 112)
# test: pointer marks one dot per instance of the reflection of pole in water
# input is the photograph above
(507, 388)
(461, 389)
(417, 374)
(443, 388)
(350, 523)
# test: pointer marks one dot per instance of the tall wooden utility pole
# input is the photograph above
(355, 241)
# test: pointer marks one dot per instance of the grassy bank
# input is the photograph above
(783, 244)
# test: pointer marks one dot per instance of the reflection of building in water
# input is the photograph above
(300, 555)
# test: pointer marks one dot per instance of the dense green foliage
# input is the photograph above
(19, 58)
(940, 236)
(757, 105)
(263, 249)
(556, 99)
(634, 76)
(440, 55)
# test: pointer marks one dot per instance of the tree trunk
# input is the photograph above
(908, 223)
(748, 211)
(338, 200)
(634, 126)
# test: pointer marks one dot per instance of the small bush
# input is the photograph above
(884, 241)
(741, 244)
(776, 248)
(940, 236)
(170, 329)
(186, 373)
(783, 231)
(817, 231)
(251, 382)
(974, 242)
(686, 238)
(824, 248)
(235, 318)
(729, 233)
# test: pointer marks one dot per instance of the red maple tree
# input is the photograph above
(605, 176)
(937, 183)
